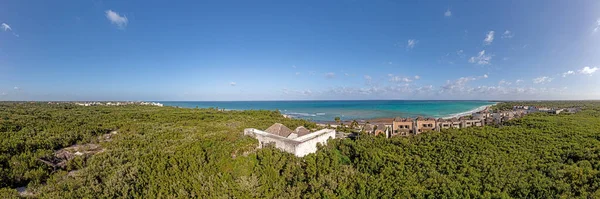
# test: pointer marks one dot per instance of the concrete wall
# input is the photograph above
(299, 146)
(309, 142)
(264, 139)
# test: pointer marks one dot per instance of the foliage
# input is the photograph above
(201, 153)
(549, 104)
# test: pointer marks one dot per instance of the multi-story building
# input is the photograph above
(402, 126)
(425, 125)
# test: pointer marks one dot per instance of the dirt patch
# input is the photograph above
(62, 156)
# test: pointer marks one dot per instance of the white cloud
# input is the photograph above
(507, 34)
(3, 94)
(542, 80)
(368, 79)
(568, 73)
(456, 86)
(115, 18)
(588, 71)
(6, 27)
(330, 75)
(485, 76)
(518, 81)
(489, 38)
(503, 82)
(481, 59)
(400, 79)
(411, 43)
(460, 53)
(16, 88)
(417, 77)
(448, 13)
(307, 92)
(232, 83)
(597, 26)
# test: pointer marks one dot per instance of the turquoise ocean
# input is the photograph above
(346, 110)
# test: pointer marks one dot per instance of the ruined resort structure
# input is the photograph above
(299, 142)
(408, 126)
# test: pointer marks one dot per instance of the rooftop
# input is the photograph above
(279, 129)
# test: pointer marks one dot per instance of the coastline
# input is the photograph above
(362, 111)
(466, 113)
(390, 120)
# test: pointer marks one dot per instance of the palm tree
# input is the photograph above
(354, 124)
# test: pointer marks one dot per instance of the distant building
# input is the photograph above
(303, 144)
(402, 126)
(425, 125)
(470, 122)
(381, 129)
(443, 124)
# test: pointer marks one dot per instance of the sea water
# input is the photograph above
(346, 110)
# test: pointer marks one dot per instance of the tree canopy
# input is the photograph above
(175, 152)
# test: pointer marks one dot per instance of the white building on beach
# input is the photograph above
(300, 142)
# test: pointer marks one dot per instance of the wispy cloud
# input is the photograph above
(307, 92)
(6, 27)
(503, 82)
(399, 79)
(16, 88)
(460, 53)
(368, 79)
(565, 74)
(481, 59)
(232, 83)
(411, 43)
(542, 80)
(459, 85)
(489, 38)
(588, 71)
(597, 25)
(448, 13)
(417, 77)
(330, 75)
(115, 18)
(519, 81)
(507, 34)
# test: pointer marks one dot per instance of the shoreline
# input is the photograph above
(470, 112)
(390, 120)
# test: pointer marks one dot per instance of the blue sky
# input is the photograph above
(284, 50)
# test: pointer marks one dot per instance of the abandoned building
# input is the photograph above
(300, 142)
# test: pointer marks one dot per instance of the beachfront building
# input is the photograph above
(381, 129)
(470, 122)
(299, 142)
(455, 123)
(443, 124)
(368, 128)
(402, 126)
(425, 125)
(480, 116)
